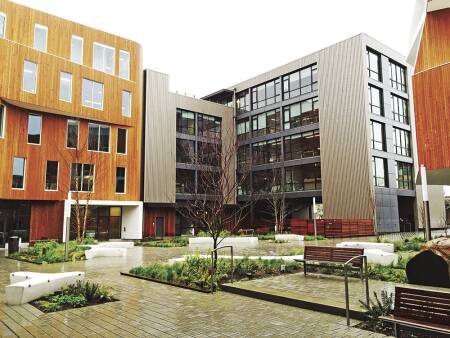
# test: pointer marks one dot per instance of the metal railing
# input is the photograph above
(364, 276)
(212, 263)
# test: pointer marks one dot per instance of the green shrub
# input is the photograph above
(311, 238)
(266, 237)
(378, 308)
(51, 252)
(164, 243)
(92, 292)
(411, 244)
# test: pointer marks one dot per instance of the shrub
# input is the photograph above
(266, 237)
(164, 243)
(378, 308)
(411, 244)
(311, 238)
(51, 252)
(92, 292)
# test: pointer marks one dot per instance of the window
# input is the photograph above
(2, 120)
(303, 177)
(124, 64)
(92, 94)
(243, 156)
(401, 142)
(266, 123)
(302, 145)
(34, 128)
(29, 76)
(18, 180)
(185, 181)
(243, 101)
(379, 169)
(126, 103)
(120, 180)
(243, 130)
(98, 137)
(302, 113)
(377, 135)
(103, 58)
(51, 176)
(121, 141)
(185, 151)
(76, 50)
(399, 109)
(404, 175)
(373, 65)
(266, 94)
(398, 76)
(65, 87)
(72, 134)
(375, 101)
(209, 153)
(40, 38)
(266, 152)
(185, 122)
(265, 181)
(82, 177)
(300, 82)
(209, 126)
(2, 25)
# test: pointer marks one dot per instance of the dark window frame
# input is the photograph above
(121, 180)
(290, 91)
(377, 144)
(51, 180)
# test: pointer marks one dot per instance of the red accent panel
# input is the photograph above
(46, 220)
(150, 214)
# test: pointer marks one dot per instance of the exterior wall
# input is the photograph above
(150, 220)
(132, 221)
(46, 219)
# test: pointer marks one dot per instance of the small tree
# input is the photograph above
(275, 200)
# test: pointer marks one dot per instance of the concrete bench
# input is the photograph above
(234, 241)
(98, 251)
(28, 286)
(123, 245)
(289, 237)
(386, 247)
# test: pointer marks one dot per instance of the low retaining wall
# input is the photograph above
(234, 241)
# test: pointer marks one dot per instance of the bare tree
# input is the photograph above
(275, 200)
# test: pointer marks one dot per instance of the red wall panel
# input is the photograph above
(46, 220)
(150, 215)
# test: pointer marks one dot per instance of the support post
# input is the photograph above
(366, 275)
(66, 225)
(426, 203)
(314, 218)
(347, 301)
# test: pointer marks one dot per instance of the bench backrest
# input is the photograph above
(424, 305)
(333, 254)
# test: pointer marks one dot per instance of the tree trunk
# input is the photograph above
(431, 266)
(215, 252)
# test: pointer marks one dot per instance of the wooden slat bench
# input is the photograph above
(421, 311)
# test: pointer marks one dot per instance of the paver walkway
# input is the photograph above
(149, 309)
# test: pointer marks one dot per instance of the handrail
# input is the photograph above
(366, 278)
(212, 263)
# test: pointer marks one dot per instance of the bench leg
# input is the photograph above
(304, 268)
(396, 331)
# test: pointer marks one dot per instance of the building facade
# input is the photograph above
(430, 54)
(70, 121)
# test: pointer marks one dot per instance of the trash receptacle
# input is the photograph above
(13, 244)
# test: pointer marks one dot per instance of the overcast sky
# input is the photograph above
(206, 45)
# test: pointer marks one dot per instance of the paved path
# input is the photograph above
(149, 309)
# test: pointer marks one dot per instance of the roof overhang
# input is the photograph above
(219, 95)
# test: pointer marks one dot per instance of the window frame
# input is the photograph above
(105, 47)
(40, 129)
(35, 77)
(3, 34)
(99, 126)
(256, 102)
(404, 136)
(60, 86)
(23, 174)
(57, 176)
(2, 121)
(121, 51)
(67, 133)
(124, 181)
(44, 28)
(374, 174)
(371, 104)
(410, 182)
(379, 74)
(76, 37)
(92, 93)
(400, 116)
(126, 141)
(396, 83)
(373, 141)
(82, 170)
(130, 96)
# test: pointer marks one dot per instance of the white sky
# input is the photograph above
(206, 45)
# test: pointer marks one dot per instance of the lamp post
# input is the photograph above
(314, 218)
(426, 202)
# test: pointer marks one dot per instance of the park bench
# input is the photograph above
(421, 311)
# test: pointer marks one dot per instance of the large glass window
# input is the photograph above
(266, 94)
(404, 175)
(375, 101)
(98, 137)
(373, 65)
(2, 25)
(265, 181)
(76, 50)
(82, 177)
(126, 103)
(92, 94)
(2, 120)
(121, 141)
(401, 142)
(303, 177)
(266, 152)
(185, 181)
(65, 87)
(209, 126)
(185, 122)
(29, 77)
(124, 64)
(377, 135)
(300, 82)
(379, 168)
(302, 145)
(209, 153)
(34, 128)
(120, 180)
(18, 179)
(302, 113)
(266, 123)
(398, 76)
(40, 37)
(243, 130)
(243, 156)
(72, 134)
(399, 109)
(185, 151)
(243, 101)
(103, 58)
(51, 176)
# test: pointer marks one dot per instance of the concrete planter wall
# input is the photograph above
(386, 247)
(250, 242)
(289, 237)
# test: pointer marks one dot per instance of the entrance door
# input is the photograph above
(159, 226)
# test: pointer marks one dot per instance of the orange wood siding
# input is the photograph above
(434, 49)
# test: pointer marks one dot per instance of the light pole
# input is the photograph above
(426, 202)
(314, 218)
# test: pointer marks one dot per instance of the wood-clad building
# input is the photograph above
(69, 95)
(430, 54)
